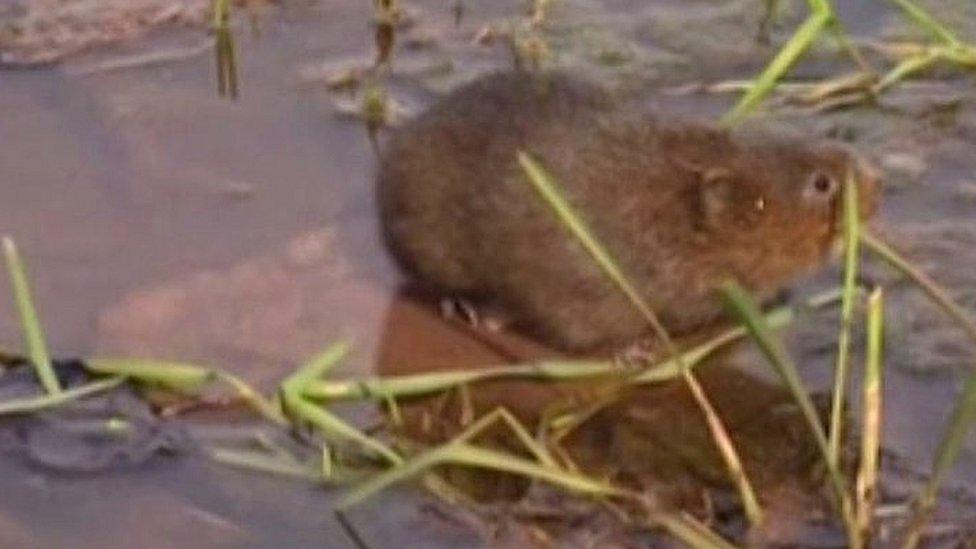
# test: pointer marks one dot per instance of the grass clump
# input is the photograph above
(866, 83)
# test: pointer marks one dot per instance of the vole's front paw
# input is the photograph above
(480, 318)
(638, 354)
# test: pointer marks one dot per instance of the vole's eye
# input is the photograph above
(821, 185)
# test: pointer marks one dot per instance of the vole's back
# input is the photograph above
(445, 177)
(460, 216)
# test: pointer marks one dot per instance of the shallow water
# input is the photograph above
(160, 220)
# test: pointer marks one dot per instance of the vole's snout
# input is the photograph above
(868, 178)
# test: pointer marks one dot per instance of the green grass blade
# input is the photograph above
(391, 476)
(327, 467)
(464, 454)
(226, 58)
(297, 406)
(670, 368)
(872, 415)
(460, 452)
(963, 417)
(382, 388)
(220, 9)
(965, 411)
(474, 456)
(927, 22)
(264, 463)
(844, 42)
(962, 55)
(935, 292)
(255, 400)
(36, 404)
(315, 368)
(538, 451)
(179, 376)
(727, 449)
(852, 221)
(546, 186)
(230, 62)
(333, 427)
(31, 326)
(906, 68)
(787, 56)
(747, 310)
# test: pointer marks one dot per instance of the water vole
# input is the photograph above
(681, 205)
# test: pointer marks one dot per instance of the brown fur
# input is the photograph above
(681, 205)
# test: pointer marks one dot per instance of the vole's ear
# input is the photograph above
(713, 197)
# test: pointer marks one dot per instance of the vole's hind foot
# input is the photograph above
(482, 317)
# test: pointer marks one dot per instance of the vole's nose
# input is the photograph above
(868, 186)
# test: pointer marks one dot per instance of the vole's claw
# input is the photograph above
(636, 355)
(453, 308)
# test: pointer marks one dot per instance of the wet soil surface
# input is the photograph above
(159, 220)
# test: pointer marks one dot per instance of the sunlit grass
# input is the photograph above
(934, 291)
(460, 451)
(851, 217)
(177, 376)
(964, 413)
(36, 404)
(866, 83)
(302, 410)
(381, 388)
(30, 325)
(872, 417)
(224, 50)
(821, 15)
(960, 424)
(262, 462)
(947, 48)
